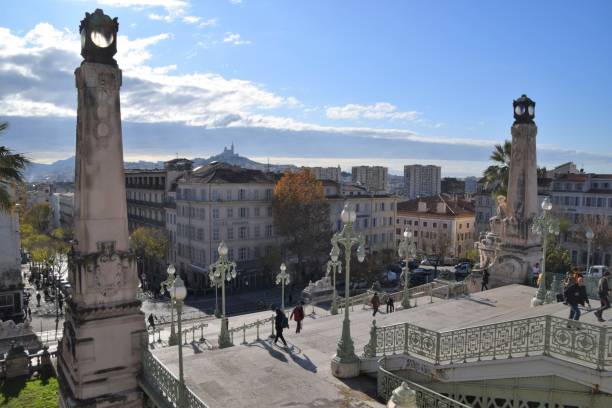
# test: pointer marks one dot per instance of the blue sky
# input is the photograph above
(321, 82)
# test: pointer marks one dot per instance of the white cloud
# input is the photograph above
(16, 105)
(191, 19)
(211, 22)
(377, 111)
(169, 5)
(235, 39)
(235, 1)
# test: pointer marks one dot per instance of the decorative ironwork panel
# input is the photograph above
(426, 398)
(156, 375)
(391, 339)
(421, 342)
(573, 340)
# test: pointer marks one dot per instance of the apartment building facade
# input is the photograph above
(422, 181)
(373, 178)
(441, 225)
(220, 202)
(327, 173)
(376, 213)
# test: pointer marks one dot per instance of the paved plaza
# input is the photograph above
(260, 373)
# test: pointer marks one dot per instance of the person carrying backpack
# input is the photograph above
(280, 323)
(485, 281)
(298, 315)
(574, 295)
(603, 290)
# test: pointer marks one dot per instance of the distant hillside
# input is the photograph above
(63, 170)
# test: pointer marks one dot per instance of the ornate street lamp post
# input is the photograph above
(179, 293)
(345, 364)
(543, 225)
(221, 271)
(165, 288)
(406, 250)
(282, 279)
(589, 234)
(334, 266)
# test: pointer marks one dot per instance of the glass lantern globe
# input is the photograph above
(589, 234)
(223, 250)
(283, 268)
(171, 269)
(546, 204)
(180, 291)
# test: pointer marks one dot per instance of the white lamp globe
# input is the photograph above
(223, 250)
(348, 215)
(589, 234)
(283, 268)
(406, 233)
(180, 291)
(171, 269)
(546, 204)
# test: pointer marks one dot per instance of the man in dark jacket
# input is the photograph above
(280, 323)
(576, 295)
(603, 290)
(485, 281)
(375, 303)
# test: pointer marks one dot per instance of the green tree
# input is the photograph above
(497, 174)
(39, 217)
(151, 247)
(558, 260)
(301, 217)
(11, 171)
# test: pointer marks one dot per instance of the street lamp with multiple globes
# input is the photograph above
(345, 364)
(165, 288)
(544, 225)
(221, 271)
(406, 250)
(334, 266)
(589, 234)
(179, 293)
(282, 279)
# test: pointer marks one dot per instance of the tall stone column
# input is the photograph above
(100, 351)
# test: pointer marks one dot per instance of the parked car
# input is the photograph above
(462, 270)
(421, 276)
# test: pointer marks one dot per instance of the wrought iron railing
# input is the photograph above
(425, 397)
(583, 343)
(436, 288)
(161, 381)
(256, 324)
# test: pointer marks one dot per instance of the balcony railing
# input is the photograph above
(581, 343)
(145, 203)
(425, 397)
(162, 386)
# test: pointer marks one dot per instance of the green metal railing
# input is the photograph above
(162, 386)
(386, 382)
(582, 343)
(246, 326)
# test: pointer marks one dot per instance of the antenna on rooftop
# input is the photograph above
(268, 166)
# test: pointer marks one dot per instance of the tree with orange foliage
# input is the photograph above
(301, 217)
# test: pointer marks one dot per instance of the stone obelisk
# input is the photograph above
(100, 351)
(519, 247)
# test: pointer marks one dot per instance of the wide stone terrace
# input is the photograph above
(260, 373)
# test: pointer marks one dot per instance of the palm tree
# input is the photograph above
(11, 168)
(497, 174)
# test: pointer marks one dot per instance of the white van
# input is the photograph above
(596, 271)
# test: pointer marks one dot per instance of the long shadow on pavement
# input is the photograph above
(274, 353)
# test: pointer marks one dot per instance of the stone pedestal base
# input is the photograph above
(344, 369)
(513, 264)
(132, 399)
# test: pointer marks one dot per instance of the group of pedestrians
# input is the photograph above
(375, 301)
(281, 322)
(575, 294)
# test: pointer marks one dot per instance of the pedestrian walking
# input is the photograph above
(29, 313)
(151, 321)
(37, 299)
(375, 303)
(290, 298)
(390, 305)
(280, 323)
(485, 281)
(576, 295)
(536, 274)
(298, 315)
(603, 290)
